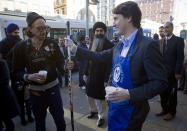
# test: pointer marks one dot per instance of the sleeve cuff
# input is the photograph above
(25, 77)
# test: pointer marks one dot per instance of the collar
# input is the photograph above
(169, 37)
(131, 38)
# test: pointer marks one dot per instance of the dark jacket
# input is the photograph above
(48, 58)
(147, 72)
(98, 73)
(83, 63)
(64, 52)
(6, 48)
(9, 106)
(174, 55)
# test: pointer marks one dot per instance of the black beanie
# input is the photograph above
(33, 16)
(99, 25)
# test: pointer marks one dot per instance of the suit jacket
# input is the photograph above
(147, 73)
(174, 55)
(147, 67)
(161, 42)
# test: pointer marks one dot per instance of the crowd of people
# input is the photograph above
(123, 73)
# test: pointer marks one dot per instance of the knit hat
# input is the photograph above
(99, 25)
(33, 16)
(12, 27)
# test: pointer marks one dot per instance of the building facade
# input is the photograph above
(75, 9)
(43, 7)
(156, 10)
(160, 11)
(104, 11)
(60, 7)
(179, 14)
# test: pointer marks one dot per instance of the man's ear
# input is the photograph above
(129, 19)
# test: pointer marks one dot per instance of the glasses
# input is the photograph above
(43, 28)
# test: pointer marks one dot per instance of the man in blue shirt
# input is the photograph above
(138, 72)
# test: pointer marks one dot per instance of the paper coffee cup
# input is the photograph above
(110, 89)
(43, 72)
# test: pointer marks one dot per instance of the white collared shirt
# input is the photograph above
(168, 38)
(127, 43)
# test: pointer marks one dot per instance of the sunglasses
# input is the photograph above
(43, 28)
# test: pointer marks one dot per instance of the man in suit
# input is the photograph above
(162, 36)
(138, 71)
(173, 54)
(64, 52)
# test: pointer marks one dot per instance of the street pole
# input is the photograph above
(87, 13)
(69, 81)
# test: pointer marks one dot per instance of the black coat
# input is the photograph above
(174, 55)
(98, 74)
(6, 48)
(9, 106)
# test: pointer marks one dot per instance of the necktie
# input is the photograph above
(62, 51)
(165, 46)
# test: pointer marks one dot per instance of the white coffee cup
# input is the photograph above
(43, 73)
(110, 89)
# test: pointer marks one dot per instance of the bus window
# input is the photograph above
(55, 33)
(74, 31)
(82, 32)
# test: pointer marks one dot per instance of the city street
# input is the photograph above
(81, 111)
(144, 42)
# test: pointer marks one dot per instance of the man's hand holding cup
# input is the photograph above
(116, 94)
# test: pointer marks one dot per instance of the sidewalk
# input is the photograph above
(154, 123)
(81, 111)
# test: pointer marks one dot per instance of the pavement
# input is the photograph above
(81, 110)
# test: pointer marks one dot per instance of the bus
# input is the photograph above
(57, 26)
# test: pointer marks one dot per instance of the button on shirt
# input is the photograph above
(127, 43)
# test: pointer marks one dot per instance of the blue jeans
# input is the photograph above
(41, 100)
